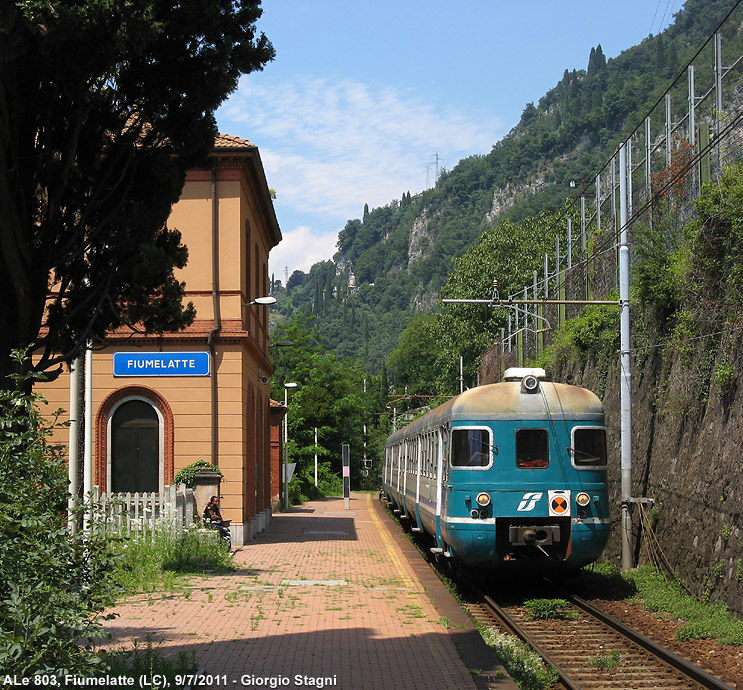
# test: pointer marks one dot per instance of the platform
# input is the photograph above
(324, 597)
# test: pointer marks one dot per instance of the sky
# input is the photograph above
(366, 101)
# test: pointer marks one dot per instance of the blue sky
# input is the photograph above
(363, 96)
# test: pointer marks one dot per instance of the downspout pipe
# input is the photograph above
(214, 333)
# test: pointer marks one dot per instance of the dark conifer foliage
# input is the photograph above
(104, 104)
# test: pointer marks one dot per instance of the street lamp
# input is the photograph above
(287, 386)
(260, 300)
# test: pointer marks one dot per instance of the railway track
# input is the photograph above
(591, 650)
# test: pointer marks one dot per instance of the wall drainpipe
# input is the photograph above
(217, 322)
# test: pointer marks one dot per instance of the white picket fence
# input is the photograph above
(127, 513)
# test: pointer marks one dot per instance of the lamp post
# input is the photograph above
(287, 386)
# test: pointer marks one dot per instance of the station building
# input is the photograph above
(162, 402)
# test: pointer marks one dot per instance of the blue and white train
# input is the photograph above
(509, 475)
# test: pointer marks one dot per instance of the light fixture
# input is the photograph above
(261, 300)
(483, 500)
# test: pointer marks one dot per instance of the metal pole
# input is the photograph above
(648, 152)
(718, 93)
(509, 302)
(286, 449)
(692, 108)
(582, 227)
(461, 374)
(88, 444)
(315, 456)
(570, 244)
(625, 372)
(73, 467)
(668, 130)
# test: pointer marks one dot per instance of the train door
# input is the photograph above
(409, 455)
(444, 485)
(443, 456)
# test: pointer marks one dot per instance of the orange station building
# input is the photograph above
(162, 402)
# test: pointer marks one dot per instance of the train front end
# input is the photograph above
(525, 486)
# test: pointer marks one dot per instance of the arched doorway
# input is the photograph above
(136, 458)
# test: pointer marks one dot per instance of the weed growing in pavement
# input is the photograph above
(523, 664)
(702, 620)
(411, 610)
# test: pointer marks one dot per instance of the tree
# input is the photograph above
(104, 105)
(330, 397)
(414, 362)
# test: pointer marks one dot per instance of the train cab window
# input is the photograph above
(470, 447)
(589, 447)
(532, 449)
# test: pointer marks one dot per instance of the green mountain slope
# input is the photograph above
(392, 262)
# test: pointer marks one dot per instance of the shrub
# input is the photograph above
(186, 474)
(53, 585)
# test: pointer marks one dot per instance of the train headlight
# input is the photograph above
(483, 500)
(582, 499)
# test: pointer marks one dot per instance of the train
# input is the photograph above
(506, 476)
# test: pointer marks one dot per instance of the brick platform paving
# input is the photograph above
(324, 597)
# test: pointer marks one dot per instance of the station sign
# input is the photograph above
(161, 364)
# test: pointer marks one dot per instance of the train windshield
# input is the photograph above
(470, 447)
(589, 446)
(532, 449)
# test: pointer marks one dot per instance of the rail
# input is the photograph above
(597, 630)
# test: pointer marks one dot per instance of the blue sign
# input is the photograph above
(161, 364)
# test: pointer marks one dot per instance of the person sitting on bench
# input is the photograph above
(213, 518)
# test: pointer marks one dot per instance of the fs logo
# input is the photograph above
(529, 501)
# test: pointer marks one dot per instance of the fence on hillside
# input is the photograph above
(694, 131)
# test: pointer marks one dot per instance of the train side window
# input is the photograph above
(589, 447)
(532, 448)
(470, 447)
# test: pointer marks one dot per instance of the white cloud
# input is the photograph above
(329, 147)
(300, 249)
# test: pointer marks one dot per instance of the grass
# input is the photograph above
(542, 609)
(701, 620)
(155, 561)
(647, 586)
(604, 581)
(163, 559)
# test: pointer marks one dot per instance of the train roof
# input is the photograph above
(508, 400)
